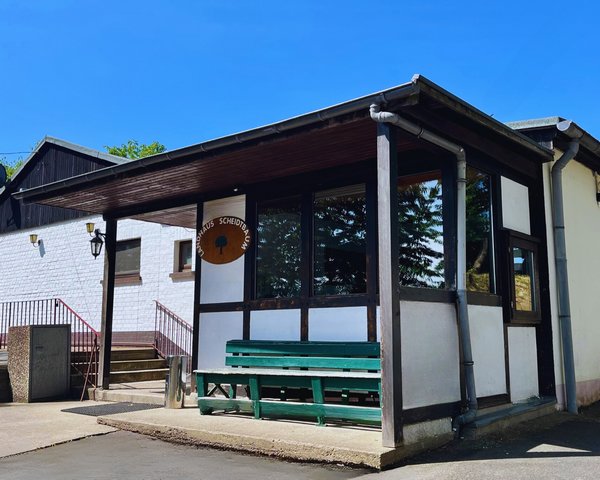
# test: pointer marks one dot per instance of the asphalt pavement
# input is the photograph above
(558, 446)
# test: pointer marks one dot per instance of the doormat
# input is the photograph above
(110, 409)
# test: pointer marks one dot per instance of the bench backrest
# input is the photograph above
(295, 355)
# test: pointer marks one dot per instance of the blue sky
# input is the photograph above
(180, 72)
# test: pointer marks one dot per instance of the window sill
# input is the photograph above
(484, 299)
(185, 275)
(128, 279)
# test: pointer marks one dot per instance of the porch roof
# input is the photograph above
(163, 188)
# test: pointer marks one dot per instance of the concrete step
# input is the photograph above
(500, 419)
(138, 375)
(133, 354)
(137, 396)
(131, 365)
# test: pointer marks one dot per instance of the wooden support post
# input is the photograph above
(197, 284)
(108, 297)
(387, 219)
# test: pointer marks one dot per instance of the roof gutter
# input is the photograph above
(461, 252)
(357, 105)
(560, 255)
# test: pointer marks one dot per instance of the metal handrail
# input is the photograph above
(54, 311)
(172, 334)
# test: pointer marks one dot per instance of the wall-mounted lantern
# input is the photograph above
(33, 239)
(96, 242)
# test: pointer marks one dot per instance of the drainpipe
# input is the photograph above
(461, 257)
(560, 255)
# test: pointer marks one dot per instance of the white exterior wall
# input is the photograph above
(64, 267)
(486, 325)
(522, 363)
(582, 230)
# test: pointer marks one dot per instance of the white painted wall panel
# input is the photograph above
(522, 363)
(487, 342)
(430, 361)
(215, 330)
(515, 206)
(275, 325)
(582, 230)
(339, 324)
(223, 283)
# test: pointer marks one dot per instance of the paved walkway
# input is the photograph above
(29, 426)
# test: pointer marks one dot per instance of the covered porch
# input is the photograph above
(329, 198)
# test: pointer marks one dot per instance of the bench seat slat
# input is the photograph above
(282, 379)
(287, 373)
(304, 362)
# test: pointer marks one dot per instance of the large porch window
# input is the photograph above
(337, 237)
(278, 249)
(420, 215)
(340, 241)
(480, 245)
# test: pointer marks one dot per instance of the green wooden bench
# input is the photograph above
(320, 367)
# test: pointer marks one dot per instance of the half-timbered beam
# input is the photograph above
(108, 297)
(387, 219)
(197, 285)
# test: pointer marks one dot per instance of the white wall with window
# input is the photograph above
(63, 267)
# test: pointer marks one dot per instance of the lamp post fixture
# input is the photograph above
(96, 242)
(33, 239)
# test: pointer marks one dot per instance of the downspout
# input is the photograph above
(560, 256)
(461, 257)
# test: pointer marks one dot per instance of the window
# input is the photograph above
(480, 246)
(184, 256)
(182, 260)
(127, 265)
(278, 248)
(524, 280)
(340, 241)
(421, 230)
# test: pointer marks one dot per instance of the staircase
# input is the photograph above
(142, 364)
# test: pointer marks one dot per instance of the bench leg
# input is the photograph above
(318, 397)
(255, 395)
(202, 386)
(232, 391)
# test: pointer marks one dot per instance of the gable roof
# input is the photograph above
(48, 140)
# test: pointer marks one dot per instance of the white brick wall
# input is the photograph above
(63, 267)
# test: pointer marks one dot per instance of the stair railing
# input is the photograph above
(172, 334)
(53, 311)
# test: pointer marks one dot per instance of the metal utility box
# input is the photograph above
(39, 358)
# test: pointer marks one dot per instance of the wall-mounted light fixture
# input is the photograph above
(96, 242)
(33, 239)
(597, 175)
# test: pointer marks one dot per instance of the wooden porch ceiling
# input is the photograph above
(145, 195)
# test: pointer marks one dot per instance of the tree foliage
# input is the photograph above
(134, 150)
(421, 235)
(278, 249)
(11, 168)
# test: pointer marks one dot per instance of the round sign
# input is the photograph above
(223, 240)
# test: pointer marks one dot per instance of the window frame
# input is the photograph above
(179, 272)
(516, 239)
(129, 277)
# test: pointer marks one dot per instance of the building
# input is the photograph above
(466, 310)
(155, 261)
